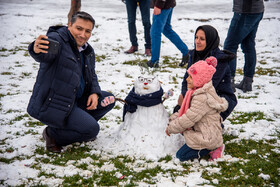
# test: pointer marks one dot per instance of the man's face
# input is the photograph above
(81, 31)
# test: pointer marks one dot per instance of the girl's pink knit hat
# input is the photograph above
(202, 71)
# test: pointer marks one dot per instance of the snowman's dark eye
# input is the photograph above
(141, 79)
(150, 80)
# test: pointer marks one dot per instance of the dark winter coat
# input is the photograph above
(58, 79)
(133, 99)
(221, 78)
(248, 6)
(163, 4)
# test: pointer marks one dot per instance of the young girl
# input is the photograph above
(199, 117)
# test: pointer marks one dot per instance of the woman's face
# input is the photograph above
(190, 82)
(200, 40)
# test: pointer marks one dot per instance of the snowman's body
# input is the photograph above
(143, 131)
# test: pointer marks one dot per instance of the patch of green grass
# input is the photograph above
(11, 160)
(71, 153)
(244, 117)
(3, 49)
(174, 80)
(171, 62)
(12, 111)
(34, 124)
(25, 74)
(135, 62)
(49, 175)
(13, 51)
(18, 64)
(247, 97)
(14, 85)
(263, 62)
(262, 71)
(6, 73)
(26, 53)
(260, 159)
(117, 107)
(6, 160)
(10, 149)
(267, 71)
(147, 174)
(31, 131)
(18, 118)
(99, 58)
(167, 158)
(128, 76)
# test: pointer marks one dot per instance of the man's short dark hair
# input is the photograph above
(82, 15)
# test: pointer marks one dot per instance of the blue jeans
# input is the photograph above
(242, 30)
(81, 124)
(131, 6)
(186, 153)
(162, 24)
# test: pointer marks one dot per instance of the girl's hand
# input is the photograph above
(166, 131)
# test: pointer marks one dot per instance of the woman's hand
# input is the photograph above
(180, 99)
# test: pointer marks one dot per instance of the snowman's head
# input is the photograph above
(146, 84)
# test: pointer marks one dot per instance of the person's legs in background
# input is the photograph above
(174, 37)
(158, 24)
(234, 38)
(145, 14)
(243, 30)
(249, 50)
(131, 6)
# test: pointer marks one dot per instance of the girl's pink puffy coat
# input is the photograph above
(203, 117)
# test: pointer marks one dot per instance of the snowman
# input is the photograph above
(145, 121)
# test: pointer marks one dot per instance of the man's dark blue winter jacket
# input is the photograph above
(58, 79)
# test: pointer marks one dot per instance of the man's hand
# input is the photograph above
(92, 102)
(157, 10)
(41, 45)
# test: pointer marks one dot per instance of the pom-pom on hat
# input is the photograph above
(202, 71)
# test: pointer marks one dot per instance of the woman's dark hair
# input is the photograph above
(82, 15)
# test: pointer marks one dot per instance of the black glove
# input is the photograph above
(176, 108)
(185, 60)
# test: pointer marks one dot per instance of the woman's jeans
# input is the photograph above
(162, 24)
(81, 124)
(242, 30)
(186, 153)
(131, 6)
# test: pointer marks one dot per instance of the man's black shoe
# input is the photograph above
(152, 65)
(50, 143)
(185, 60)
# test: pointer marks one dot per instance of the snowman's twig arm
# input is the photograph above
(121, 100)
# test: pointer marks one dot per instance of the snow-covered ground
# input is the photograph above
(23, 20)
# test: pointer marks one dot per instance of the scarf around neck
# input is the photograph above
(186, 102)
(146, 100)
